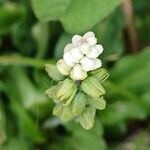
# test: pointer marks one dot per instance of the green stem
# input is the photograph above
(24, 61)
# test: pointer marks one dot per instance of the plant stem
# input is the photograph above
(23, 61)
(131, 37)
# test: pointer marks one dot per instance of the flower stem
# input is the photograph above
(23, 61)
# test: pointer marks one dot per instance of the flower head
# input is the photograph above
(78, 91)
(80, 56)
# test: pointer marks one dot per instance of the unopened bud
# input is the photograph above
(62, 67)
(78, 73)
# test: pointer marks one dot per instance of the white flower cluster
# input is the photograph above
(80, 56)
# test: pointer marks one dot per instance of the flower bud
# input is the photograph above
(88, 34)
(84, 48)
(68, 47)
(69, 59)
(76, 53)
(91, 40)
(95, 51)
(62, 67)
(87, 63)
(78, 73)
(76, 40)
(98, 64)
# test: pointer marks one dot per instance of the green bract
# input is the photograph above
(77, 99)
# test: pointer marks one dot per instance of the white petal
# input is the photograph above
(76, 40)
(68, 47)
(95, 51)
(98, 64)
(87, 63)
(84, 48)
(91, 40)
(100, 48)
(77, 73)
(89, 34)
(69, 60)
(76, 53)
(62, 67)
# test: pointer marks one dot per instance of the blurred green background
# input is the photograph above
(35, 32)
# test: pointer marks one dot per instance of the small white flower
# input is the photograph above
(62, 67)
(78, 73)
(76, 40)
(92, 40)
(69, 60)
(84, 48)
(88, 34)
(95, 51)
(80, 56)
(98, 64)
(67, 47)
(88, 63)
(76, 53)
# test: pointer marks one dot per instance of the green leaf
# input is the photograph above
(10, 13)
(62, 42)
(131, 72)
(82, 15)
(3, 136)
(48, 10)
(75, 15)
(41, 30)
(140, 140)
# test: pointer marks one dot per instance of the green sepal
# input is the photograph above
(79, 103)
(67, 113)
(98, 103)
(94, 80)
(53, 72)
(71, 97)
(67, 85)
(88, 88)
(101, 74)
(86, 119)
(51, 92)
(57, 111)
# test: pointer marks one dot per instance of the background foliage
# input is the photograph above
(35, 32)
